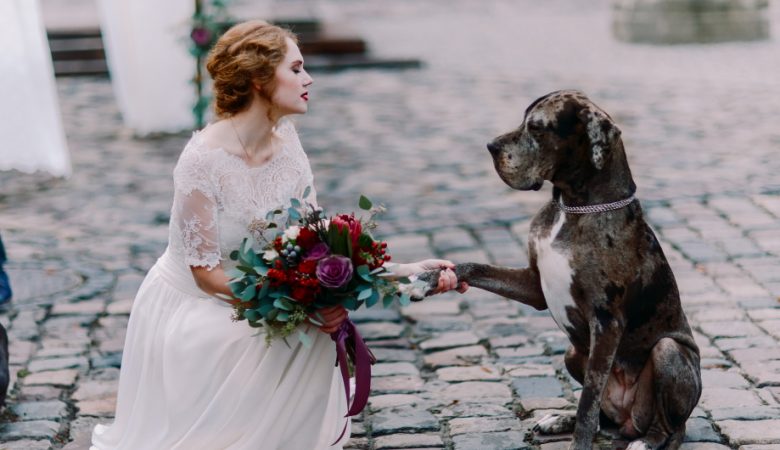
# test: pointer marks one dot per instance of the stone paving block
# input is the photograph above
(431, 308)
(746, 413)
(95, 389)
(741, 287)
(763, 314)
(475, 410)
(377, 402)
(508, 341)
(19, 352)
(471, 373)
(699, 251)
(723, 379)
(483, 424)
(383, 369)
(396, 384)
(518, 354)
(449, 340)
(475, 391)
(380, 330)
(26, 444)
(472, 256)
(529, 370)
(374, 314)
(461, 356)
(534, 403)
(748, 355)
(48, 364)
(703, 446)
(452, 239)
(760, 447)
(38, 393)
(44, 410)
(120, 307)
(33, 430)
(393, 354)
(356, 443)
(87, 308)
(408, 441)
(700, 430)
(101, 407)
(409, 247)
(81, 428)
(508, 440)
(535, 387)
(741, 432)
(64, 378)
(718, 398)
(498, 307)
(718, 315)
(403, 420)
(729, 329)
(430, 325)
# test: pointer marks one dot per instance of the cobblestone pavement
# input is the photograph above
(455, 372)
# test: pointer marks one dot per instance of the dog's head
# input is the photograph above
(564, 136)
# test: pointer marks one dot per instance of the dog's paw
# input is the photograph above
(638, 445)
(555, 424)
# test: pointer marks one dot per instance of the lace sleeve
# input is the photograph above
(289, 134)
(195, 211)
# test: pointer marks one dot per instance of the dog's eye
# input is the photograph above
(534, 126)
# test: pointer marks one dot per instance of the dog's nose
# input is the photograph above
(493, 148)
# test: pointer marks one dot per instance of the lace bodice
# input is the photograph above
(217, 196)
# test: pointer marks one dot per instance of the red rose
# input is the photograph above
(303, 295)
(308, 267)
(307, 238)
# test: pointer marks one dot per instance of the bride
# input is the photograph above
(192, 379)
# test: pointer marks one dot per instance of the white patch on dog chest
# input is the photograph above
(556, 274)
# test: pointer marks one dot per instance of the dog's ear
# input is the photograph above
(603, 134)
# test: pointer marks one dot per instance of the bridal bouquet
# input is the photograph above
(308, 261)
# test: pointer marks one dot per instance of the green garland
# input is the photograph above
(208, 23)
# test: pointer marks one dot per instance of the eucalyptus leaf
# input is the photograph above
(265, 309)
(249, 293)
(365, 293)
(294, 214)
(283, 303)
(364, 272)
(234, 255)
(295, 203)
(307, 191)
(364, 203)
(235, 273)
(351, 303)
(223, 296)
(283, 316)
(272, 314)
(261, 270)
(304, 338)
(252, 315)
(371, 301)
(405, 299)
(387, 301)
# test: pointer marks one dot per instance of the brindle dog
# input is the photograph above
(601, 273)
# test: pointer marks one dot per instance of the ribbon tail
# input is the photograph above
(363, 360)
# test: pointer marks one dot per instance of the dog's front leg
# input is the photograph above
(605, 333)
(521, 285)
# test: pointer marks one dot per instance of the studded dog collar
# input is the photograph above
(589, 209)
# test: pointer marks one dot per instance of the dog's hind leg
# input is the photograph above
(676, 388)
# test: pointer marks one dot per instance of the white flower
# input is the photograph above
(270, 255)
(292, 232)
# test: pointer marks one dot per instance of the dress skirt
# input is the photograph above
(192, 379)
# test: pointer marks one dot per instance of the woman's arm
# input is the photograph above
(213, 282)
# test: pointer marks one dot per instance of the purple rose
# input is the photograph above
(334, 271)
(317, 252)
(201, 36)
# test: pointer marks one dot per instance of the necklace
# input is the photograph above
(243, 147)
(595, 208)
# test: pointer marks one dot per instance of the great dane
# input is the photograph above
(598, 267)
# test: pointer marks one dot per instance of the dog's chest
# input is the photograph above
(556, 273)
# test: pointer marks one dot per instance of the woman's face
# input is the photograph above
(291, 95)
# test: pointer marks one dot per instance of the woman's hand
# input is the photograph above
(448, 281)
(330, 317)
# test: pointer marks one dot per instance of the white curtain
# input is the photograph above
(149, 62)
(31, 133)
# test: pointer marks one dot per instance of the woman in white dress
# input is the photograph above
(30, 123)
(191, 379)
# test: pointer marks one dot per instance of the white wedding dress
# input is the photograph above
(192, 379)
(30, 122)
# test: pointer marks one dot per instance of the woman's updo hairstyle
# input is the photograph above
(247, 52)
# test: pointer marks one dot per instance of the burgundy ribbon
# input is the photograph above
(350, 343)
